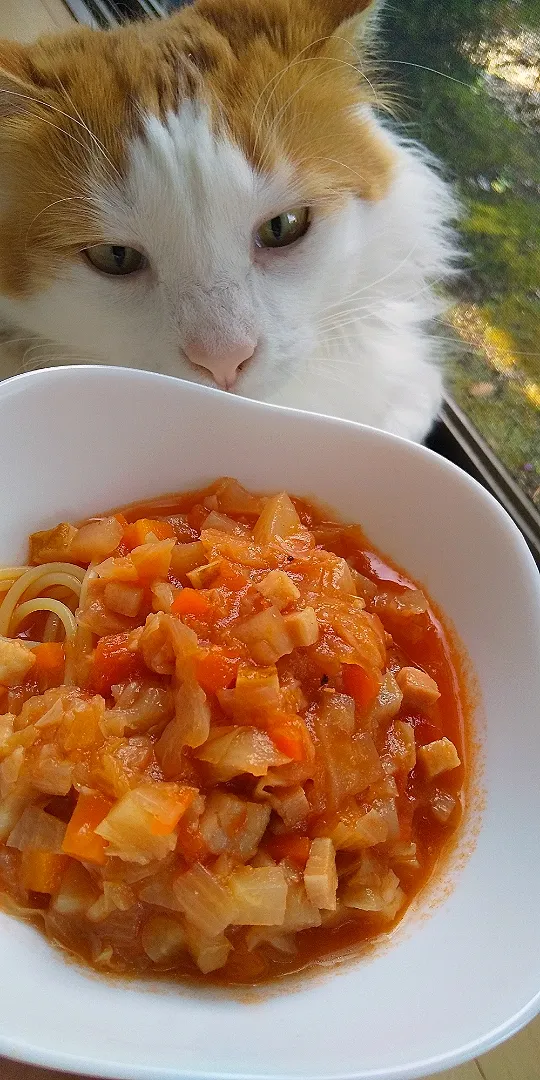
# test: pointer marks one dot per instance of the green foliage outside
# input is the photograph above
(486, 131)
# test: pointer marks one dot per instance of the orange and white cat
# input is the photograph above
(215, 197)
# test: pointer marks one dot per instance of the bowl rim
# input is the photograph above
(31, 1054)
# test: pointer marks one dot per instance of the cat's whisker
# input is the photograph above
(336, 320)
(53, 108)
(434, 71)
(97, 142)
(68, 198)
(300, 89)
(279, 76)
(371, 285)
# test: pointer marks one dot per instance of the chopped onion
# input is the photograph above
(93, 542)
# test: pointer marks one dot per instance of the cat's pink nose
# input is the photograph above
(222, 364)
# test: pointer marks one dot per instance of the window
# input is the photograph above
(468, 73)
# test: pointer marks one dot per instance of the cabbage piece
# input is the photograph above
(256, 688)
(283, 943)
(291, 804)
(237, 549)
(140, 826)
(158, 890)
(51, 775)
(233, 751)
(300, 913)
(442, 805)
(139, 709)
(116, 896)
(387, 703)
(279, 588)
(232, 825)
(232, 498)
(215, 520)
(12, 806)
(278, 519)
(338, 710)
(372, 888)
(77, 892)
(10, 770)
(361, 632)
(38, 831)
(400, 749)
(123, 598)
(207, 902)
(16, 660)
(210, 952)
(260, 895)
(357, 830)
(266, 636)
(190, 727)
(350, 764)
(163, 938)
(320, 877)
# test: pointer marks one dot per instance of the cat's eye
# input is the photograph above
(115, 259)
(284, 229)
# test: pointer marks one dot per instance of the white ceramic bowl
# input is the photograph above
(452, 982)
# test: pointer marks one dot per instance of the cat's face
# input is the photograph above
(182, 195)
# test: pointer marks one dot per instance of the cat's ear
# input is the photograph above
(337, 13)
(17, 93)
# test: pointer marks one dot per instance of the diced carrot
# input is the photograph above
(113, 663)
(290, 735)
(135, 534)
(360, 684)
(215, 671)
(41, 871)
(291, 847)
(192, 602)
(153, 560)
(49, 666)
(80, 840)
(230, 577)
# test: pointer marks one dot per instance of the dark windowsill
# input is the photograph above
(456, 438)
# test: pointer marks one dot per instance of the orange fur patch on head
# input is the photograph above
(282, 78)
